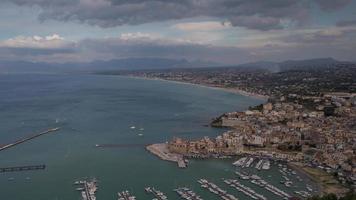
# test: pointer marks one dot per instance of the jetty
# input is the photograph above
(22, 168)
(161, 150)
(28, 138)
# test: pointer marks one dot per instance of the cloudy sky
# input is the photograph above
(224, 31)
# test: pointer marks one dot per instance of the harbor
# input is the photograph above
(72, 153)
(241, 182)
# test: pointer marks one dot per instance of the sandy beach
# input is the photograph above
(231, 90)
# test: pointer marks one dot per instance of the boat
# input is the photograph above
(259, 165)
(240, 162)
(266, 165)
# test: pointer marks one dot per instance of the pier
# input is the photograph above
(22, 168)
(28, 138)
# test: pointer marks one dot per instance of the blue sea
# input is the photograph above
(98, 109)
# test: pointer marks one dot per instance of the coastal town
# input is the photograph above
(286, 131)
(308, 119)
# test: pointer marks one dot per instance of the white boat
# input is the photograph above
(266, 165)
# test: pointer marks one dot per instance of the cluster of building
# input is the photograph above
(321, 132)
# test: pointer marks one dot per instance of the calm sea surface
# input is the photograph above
(94, 109)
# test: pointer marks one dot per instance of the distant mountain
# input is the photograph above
(271, 66)
(116, 64)
(309, 64)
(294, 64)
(156, 63)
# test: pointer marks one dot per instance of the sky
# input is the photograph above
(220, 31)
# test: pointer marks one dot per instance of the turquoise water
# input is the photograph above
(93, 109)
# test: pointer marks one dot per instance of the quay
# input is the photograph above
(22, 168)
(161, 150)
(28, 138)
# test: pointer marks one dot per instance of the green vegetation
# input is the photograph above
(348, 196)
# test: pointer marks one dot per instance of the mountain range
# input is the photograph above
(156, 63)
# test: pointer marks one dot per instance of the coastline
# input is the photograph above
(230, 90)
(326, 182)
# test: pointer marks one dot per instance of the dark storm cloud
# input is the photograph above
(23, 51)
(346, 23)
(117, 47)
(332, 5)
(252, 14)
(336, 37)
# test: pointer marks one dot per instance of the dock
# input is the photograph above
(22, 168)
(28, 138)
(87, 189)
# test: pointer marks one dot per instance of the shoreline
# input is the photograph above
(321, 178)
(230, 90)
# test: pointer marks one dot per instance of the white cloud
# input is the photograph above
(202, 26)
(47, 42)
(137, 36)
